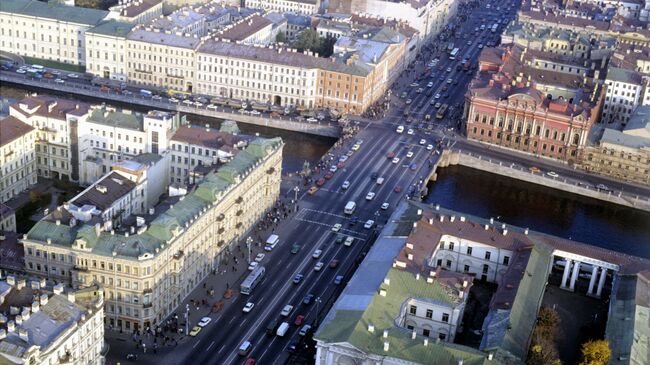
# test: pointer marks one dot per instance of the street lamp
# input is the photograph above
(318, 301)
(187, 319)
(249, 241)
(295, 197)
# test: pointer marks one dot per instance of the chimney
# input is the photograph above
(505, 232)
(58, 222)
(19, 320)
(491, 220)
(43, 282)
(385, 333)
(44, 299)
(442, 218)
(36, 306)
(11, 280)
(11, 326)
(487, 227)
(20, 284)
(26, 312)
(462, 218)
(419, 212)
(409, 256)
(24, 335)
(371, 328)
(71, 297)
(452, 219)
(461, 294)
(490, 356)
(386, 345)
(387, 281)
(417, 276)
(430, 220)
(58, 289)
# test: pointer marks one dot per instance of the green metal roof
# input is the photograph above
(161, 229)
(118, 119)
(53, 10)
(112, 28)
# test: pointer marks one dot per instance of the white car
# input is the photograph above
(384, 206)
(248, 307)
(59, 81)
(552, 174)
(173, 100)
(286, 311)
(198, 104)
(21, 71)
(211, 106)
(255, 112)
(156, 97)
(188, 102)
(333, 168)
(346, 184)
(317, 254)
(369, 224)
(204, 321)
(409, 154)
(312, 120)
(73, 76)
(430, 84)
(343, 158)
(437, 96)
(356, 147)
(260, 257)
(319, 265)
(370, 196)
(399, 129)
(423, 141)
(252, 265)
(448, 69)
(429, 147)
(395, 160)
(337, 227)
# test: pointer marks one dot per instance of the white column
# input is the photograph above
(601, 282)
(574, 276)
(318, 355)
(565, 276)
(329, 358)
(592, 281)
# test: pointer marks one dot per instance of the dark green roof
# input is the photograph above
(72, 14)
(112, 28)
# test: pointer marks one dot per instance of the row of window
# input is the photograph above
(488, 254)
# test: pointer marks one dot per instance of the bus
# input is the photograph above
(453, 54)
(146, 93)
(441, 111)
(251, 281)
(178, 94)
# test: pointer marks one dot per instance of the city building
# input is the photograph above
(625, 154)
(365, 323)
(137, 11)
(106, 50)
(254, 29)
(11, 251)
(50, 326)
(108, 136)
(306, 7)
(17, 157)
(151, 262)
(519, 103)
(296, 23)
(7, 218)
(55, 121)
(48, 31)
(195, 150)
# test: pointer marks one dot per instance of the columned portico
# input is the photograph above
(572, 268)
(601, 282)
(592, 281)
(574, 275)
(565, 276)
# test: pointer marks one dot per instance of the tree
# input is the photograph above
(34, 196)
(595, 352)
(543, 349)
(280, 37)
(327, 46)
(308, 39)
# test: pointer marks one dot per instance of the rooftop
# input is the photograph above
(208, 137)
(49, 107)
(12, 129)
(167, 38)
(55, 11)
(624, 75)
(245, 28)
(119, 119)
(137, 7)
(112, 28)
(105, 192)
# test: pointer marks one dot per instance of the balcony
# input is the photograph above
(221, 230)
(147, 305)
(178, 255)
(239, 225)
(271, 171)
(221, 243)
(221, 217)
(80, 268)
(147, 291)
(239, 200)
(239, 213)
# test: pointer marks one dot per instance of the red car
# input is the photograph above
(250, 361)
(320, 182)
(329, 175)
(299, 319)
(334, 263)
(340, 165)
(390, 154)
(398, 189)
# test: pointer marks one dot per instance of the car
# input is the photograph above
(308, 299)
(21, 71)
(390, 154)
(299, 319)
(445, 88)
(398, 189)
(250, 361)
(410, 132)
(446, 95)
(419, 90)
(414, 84)
(437, 106)
(259, 257)
(195, 331)
(312, 190)
(204, 321)
(430, 84)
(317, 254)
(369, 223)
(252, 266)
(469, 43)
(156, 97)
(338, 279)
(343, 158)
(211, 106)
(437, 96)
(173, 100)
(409, 154)
(350, 153)
(408, 101)
(370, 195)
(349, 241)
(329, 175)
(429, 147)
(73, 76)
(295, 248)
(298, 278)
(339, 238)
(374, 176)
(333, 168)
(312, 120)
(255, 112)
(293, 346)
(448, 69)
(59, 81)
(423, 141)
(345, 185)
(480, 46)
(356, 147)
(248, 307)
(319, 265)
(336, 227)
(449, 81)
(552, 174)
(384, 206)
(534, 169)
(334, 263)
(304, 330)
(188, 102)
(395, 160)
(413, 166)
(286, 311)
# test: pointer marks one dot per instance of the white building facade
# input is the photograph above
(17, 157)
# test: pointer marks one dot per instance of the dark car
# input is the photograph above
(293, 346)
(308, 299)
(374, 176)
(354, 220)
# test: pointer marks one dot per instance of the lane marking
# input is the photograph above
(196, 344)
(208, 349)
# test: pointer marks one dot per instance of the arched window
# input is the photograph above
(547, 133)
(576, 138)
(539, 130)
(528, 128)
(554, 133)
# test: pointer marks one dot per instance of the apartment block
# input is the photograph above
(55, 121)
(151, 262)
(625, 154)
(306, 7)
(106, 50)
(47, 31)
(137, 11)
(7, 218)
(17, 157)
(518, 104)
(52, 325)
(109, 135)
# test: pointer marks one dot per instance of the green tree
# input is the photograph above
(308, 39)
(280, 37)
(34, 196)
(595, 352)
(327, 46)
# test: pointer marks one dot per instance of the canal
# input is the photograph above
(541, 209)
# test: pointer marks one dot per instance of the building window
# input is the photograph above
(466, 268)
(448, 263)
(426, 332)
(506, 260)
(429, 313)
(408, 326)
(413, 309)
(469, 251)
(445, 317)
(442, 336)
(451, 246)
(485, 269)
(487, 255)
